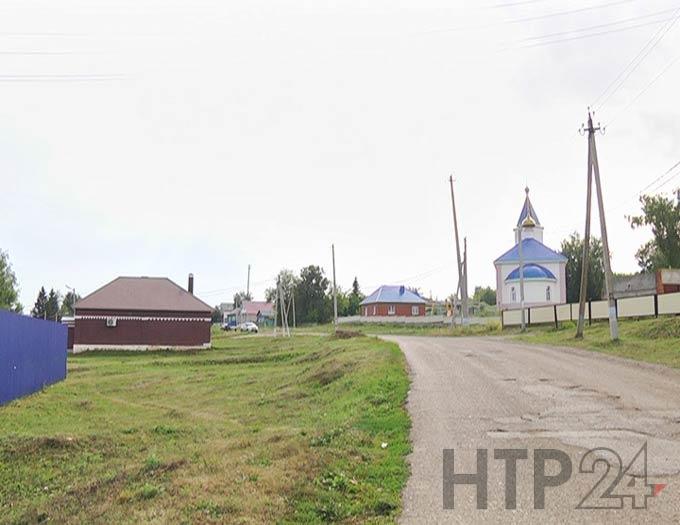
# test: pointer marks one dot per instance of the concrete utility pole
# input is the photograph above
(335, 292)
(461, 281)
(284, 313)
(276, 311)
(465, 279)
(293, 298)
(585, 259)
(592, 152)
(248, 285)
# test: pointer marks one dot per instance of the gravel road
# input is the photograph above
(489, 393)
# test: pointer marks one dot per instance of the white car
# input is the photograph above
(248, 327)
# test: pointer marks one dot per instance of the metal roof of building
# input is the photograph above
(143, 293)
(532, 251)
(252, 307)
(531, 271)
(527, 212)
(393, 294)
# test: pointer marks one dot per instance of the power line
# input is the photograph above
(515, 4)
(59, 78)
(568, 12)
(645, 89)
(650, 185)
(625, 74)
(600, 26)
(600, 33)
(532, 18)
(235, 287)
(657, 188)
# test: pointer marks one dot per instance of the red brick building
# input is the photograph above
(397, 301)
(141, 313)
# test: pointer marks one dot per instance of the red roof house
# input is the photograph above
(141, 313)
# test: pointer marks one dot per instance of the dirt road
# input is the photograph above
(487, 393)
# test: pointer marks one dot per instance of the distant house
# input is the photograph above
(141, 313)
(258, 312)
(393, 301)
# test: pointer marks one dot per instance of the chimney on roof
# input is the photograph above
(190, 288)
(401, 290)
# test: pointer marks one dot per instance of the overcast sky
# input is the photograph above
(167, 137)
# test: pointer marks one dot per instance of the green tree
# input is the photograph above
(215, 316)
(9, 289)
(485, 295)
(40, 307)
(53, 305)
(663, 216)
(67, 305)
(343, 301)
(312, 302)
(240, 297)
(572, 249)
(354, 299)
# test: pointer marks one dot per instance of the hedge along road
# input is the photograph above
(491, 394)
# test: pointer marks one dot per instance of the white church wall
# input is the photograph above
(530, 233)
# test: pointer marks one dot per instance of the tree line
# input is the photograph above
(312, 294)
(52, 305)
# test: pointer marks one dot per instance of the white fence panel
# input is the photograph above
(669, 303)
(542, 314)
(635, 306)
(512, 318)
(598, 309)
(564, 312)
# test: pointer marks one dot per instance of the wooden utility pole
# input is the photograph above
(461, 280)
(594, 166)
(523, 323)
(248, 284)
(585, 259)
(335, 292)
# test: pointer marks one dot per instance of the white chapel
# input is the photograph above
(544, 269)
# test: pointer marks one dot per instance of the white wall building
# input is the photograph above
(544, 269)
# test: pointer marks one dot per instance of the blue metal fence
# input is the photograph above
(32, 354)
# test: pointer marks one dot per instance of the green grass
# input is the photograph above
(650, 340)
(257, 430)
(491, 328)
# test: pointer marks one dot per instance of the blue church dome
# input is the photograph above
(531, 271)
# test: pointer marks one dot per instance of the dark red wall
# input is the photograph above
(157, 332)
(402, 310)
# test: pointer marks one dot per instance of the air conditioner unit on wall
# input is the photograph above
(111, 321)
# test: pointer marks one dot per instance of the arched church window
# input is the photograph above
(514, 294)
(547, 293)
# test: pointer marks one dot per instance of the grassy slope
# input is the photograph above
(650, 340)
(256, 430)
(491, 328)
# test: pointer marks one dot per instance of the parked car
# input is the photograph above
(229, 326)
(248, 327)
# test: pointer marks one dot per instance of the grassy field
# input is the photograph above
(491, 328)
(650, 340)
(257, 430)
